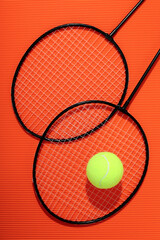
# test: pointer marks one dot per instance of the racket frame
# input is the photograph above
(107, 36)
(43, 138)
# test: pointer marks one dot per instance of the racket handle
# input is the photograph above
(126, 18)
(141, 80)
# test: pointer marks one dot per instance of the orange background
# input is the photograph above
(21, 23)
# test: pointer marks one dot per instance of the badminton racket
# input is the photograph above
(68, 64)
(59, 169)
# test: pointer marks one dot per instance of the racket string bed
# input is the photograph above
(66, 66)
(61, 169)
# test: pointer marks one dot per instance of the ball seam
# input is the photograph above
(100, 183)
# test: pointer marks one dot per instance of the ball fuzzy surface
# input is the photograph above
(104, 170)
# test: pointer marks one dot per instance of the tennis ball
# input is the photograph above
(104, 170)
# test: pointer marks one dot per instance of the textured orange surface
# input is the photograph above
(22, 22)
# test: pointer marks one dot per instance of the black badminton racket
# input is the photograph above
(59, 170)
(68, 64)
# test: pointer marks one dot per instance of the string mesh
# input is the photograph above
(69, 65)
(61, 167)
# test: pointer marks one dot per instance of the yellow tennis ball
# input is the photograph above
(104, 170)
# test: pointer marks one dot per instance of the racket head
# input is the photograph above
(34, 106)
(124, 191)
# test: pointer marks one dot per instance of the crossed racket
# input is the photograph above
(68, 66)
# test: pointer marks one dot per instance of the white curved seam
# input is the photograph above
(107, 169)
